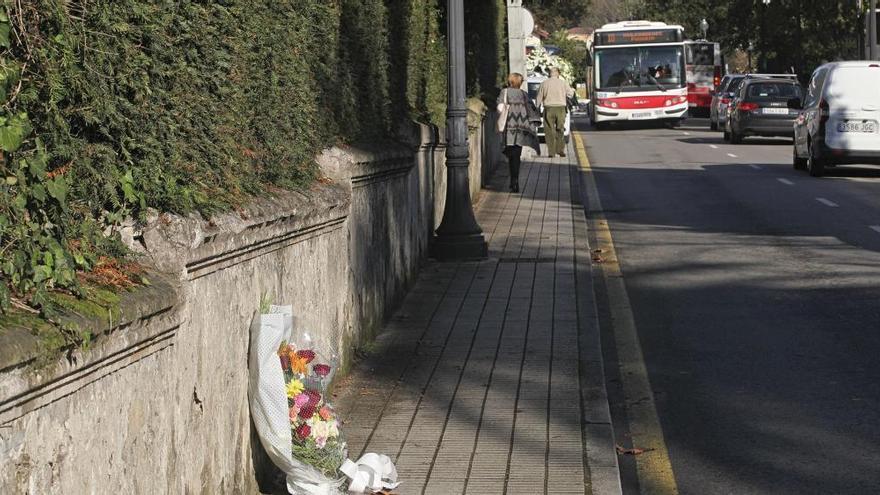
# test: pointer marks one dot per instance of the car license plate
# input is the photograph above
(642, 115)
(776, 111)
(869, 127)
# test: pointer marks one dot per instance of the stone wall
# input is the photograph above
(158, 402)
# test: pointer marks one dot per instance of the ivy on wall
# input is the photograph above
(111, 107)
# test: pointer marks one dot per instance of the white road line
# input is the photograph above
(713, 146)
(732, 155)
(785, 181)
(687, 134)
(827, 202)
(756, 167)
(875, 228)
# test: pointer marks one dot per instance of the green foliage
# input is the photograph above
(486, 45)
(112, 107)
(575, 52)
(783, 33)
(553, 15)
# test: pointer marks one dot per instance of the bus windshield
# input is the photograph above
(700, 53)
(640, 68)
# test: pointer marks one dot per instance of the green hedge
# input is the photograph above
(116, 106)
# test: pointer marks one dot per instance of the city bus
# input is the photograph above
(637, 72)
(705, 67)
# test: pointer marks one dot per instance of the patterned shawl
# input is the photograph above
(519, 130)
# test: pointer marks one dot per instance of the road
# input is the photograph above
(754, 290)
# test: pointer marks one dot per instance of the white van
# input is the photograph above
(839, 122)
(533, 83)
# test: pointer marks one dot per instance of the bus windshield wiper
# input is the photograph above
(656, 83)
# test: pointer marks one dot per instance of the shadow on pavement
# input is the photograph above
(758, 329)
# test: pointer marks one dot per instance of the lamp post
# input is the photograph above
(704, 26)
(458, 237)
(749, 50)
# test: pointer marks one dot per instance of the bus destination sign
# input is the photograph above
(638, 37)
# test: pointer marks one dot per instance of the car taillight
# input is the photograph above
(717, 79)
(824, 111)
(747, 107)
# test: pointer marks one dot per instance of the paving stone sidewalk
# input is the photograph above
(488, 379)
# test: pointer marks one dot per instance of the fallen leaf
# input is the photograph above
(632, 451)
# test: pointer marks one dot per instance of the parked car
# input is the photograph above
(720, 100)
(839, 120)
(761, 108)
(534, 82)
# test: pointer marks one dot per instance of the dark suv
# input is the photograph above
(761, 108)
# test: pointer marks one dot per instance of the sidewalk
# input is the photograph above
(488, 379)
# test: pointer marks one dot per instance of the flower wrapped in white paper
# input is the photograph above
(297, 425)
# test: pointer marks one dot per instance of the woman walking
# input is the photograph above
(516, 126)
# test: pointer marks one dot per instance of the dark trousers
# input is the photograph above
(514, 156)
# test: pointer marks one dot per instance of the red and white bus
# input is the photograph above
(705, 68)
(637, 72)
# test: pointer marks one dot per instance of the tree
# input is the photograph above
(553, 15)
(778, 31)
(575, 52)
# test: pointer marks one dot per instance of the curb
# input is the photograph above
(597, 428)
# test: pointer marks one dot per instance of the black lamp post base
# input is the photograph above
(459, 248)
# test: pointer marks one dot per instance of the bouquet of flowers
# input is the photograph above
(296, 424)
(317, 440)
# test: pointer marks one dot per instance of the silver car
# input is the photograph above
(721, 99)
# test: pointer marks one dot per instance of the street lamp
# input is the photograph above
(459, 236)
(704, 25)
(749, 50)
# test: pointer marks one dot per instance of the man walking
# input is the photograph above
(553, 96)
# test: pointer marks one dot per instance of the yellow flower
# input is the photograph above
(294, 388)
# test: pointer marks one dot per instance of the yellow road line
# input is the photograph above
(653, 467)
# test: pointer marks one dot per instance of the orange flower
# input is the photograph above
(298, 364)
(326, 413)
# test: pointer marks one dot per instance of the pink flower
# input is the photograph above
(301, 400)
(321, 370)
(320, 442)
(294, 412)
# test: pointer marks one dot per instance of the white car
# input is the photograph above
(534, 82)
(839, 120)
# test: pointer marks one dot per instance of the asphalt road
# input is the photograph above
(756, 294)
